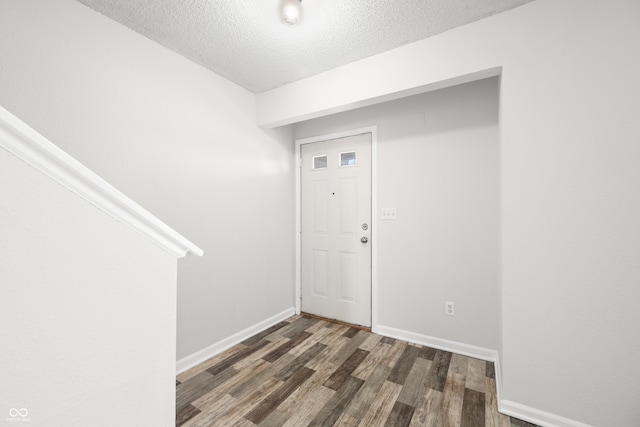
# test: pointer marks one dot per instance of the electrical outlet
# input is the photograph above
(449, 309)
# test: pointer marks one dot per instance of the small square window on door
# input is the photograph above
(320, 162)
(348, 159)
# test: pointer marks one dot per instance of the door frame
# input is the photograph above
(373, 130)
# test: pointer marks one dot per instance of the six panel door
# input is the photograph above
(336, 229)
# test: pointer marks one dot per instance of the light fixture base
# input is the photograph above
(291, 12)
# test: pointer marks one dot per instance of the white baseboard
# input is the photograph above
(204, 354)
(507, 407)
(536, 416)
(439, 343)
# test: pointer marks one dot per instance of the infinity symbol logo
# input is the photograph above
(13, 412)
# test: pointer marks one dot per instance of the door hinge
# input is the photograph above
(299, 162)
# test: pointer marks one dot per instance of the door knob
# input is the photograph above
(364, 240)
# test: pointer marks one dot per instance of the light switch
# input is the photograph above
(389, 213)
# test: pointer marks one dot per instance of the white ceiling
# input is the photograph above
(245, 41)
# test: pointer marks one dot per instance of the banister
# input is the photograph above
(27, 144)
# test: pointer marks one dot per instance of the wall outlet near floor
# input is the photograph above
(449, 309)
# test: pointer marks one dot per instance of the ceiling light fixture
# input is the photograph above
(291, 11)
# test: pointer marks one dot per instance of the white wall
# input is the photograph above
(438, 166)
(570, 178)
(176, 138)
(87, 310)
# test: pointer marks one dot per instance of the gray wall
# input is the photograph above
(438, 164)
(173, 136)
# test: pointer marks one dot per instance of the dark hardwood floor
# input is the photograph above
(308, 372)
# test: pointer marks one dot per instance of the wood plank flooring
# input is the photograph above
(309, 372)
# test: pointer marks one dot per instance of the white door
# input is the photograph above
(336, 229)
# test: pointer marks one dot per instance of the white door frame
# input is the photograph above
(373, 130)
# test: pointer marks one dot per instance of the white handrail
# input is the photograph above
(25, 143)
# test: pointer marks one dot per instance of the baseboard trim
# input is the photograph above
(439, 343)
(507, 407)
(208, 352)
(536, 416)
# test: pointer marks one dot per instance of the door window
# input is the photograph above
(348, 159)
(320, 162)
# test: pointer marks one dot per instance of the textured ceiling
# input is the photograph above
(245, 41)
